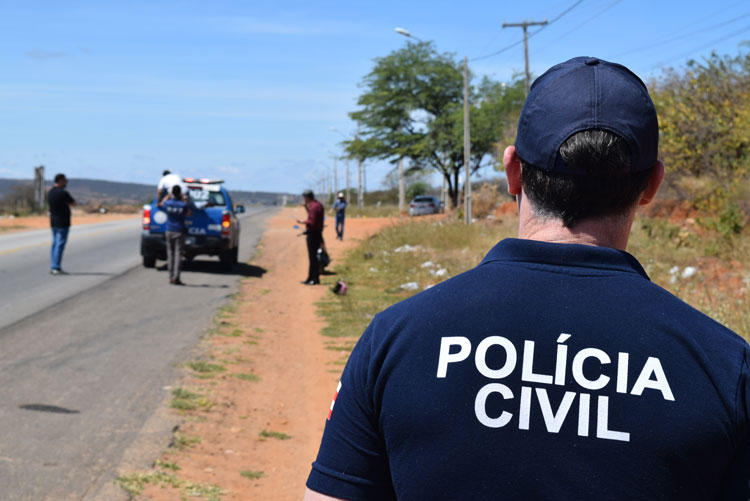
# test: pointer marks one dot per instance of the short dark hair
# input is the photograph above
(176, 191)
(309, 194)
(603, 186)
(59, 177)
(165, 173)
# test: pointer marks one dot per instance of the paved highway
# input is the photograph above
(85, 358)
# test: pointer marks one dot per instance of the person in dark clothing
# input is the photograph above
(314, 232)
(176, 211)
(339, 207)
(555, 369)
(59, 202)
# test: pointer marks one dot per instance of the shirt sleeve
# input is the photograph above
(352, 461)
(737, 482)
(69, 199)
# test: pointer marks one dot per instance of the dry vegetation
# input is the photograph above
(704, 268)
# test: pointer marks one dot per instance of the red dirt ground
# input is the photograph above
(297, 378)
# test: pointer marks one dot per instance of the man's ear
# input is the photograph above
(512, 170)
(654, 182)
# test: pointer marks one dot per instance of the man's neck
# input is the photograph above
(610, 231)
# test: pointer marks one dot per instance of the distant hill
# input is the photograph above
(96, 191)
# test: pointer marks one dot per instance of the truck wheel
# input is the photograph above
(149, 261)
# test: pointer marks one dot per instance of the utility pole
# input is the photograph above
(335, 177)
(39, 189)
(347, 180)
(525, 25)
(401, 187)
(467, 145)
(360, 193)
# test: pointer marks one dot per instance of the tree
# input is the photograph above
(704, 118)
(416, 189)
(412, 107)
(20, 199)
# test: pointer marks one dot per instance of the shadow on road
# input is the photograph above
(48, 408)
(240, 269)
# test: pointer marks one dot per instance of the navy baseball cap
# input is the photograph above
(581, 94)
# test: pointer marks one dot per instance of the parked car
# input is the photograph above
(212, 227)
(424, 204)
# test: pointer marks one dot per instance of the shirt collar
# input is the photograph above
(570, 255)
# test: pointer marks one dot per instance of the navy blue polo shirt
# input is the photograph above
(549, 371)
(176, 212)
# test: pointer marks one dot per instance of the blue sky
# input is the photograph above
(249, 91)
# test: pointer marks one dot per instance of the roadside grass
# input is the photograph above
(252, 475)
(385, 210)
(403, 259)
(707, 269)
(273, 434)
(415, 254)
(167, 465)
(205, 367)
(246, 377)
(183, 442)
(136, 482)
(186, 400)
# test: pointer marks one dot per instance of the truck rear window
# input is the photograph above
(202, 197)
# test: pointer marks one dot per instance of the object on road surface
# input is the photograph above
(212, 228)
(424, 204)
(339, 288)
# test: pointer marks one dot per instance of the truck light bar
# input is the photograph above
(203, 180)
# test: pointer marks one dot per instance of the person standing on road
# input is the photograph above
(176, 210)
(339, 206)
(555, 369)
(59, 202)
(314, 233)
(166, 183)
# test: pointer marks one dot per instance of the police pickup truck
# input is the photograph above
(212, 227)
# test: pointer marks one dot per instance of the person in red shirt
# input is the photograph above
(314, 232)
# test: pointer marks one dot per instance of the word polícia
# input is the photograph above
(651, 376)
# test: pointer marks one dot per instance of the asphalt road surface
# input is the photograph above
(86, 358)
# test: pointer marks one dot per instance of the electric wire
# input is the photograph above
(504, 49)
(605, 9)
(705, 46)
(680, 37)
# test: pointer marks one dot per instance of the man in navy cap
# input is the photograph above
(555, 369)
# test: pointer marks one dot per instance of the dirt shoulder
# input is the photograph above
(278, 381)
(26, 223)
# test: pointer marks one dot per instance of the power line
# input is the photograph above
(680, 37)
(504, 49)
(605, 9)
(705, 46)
